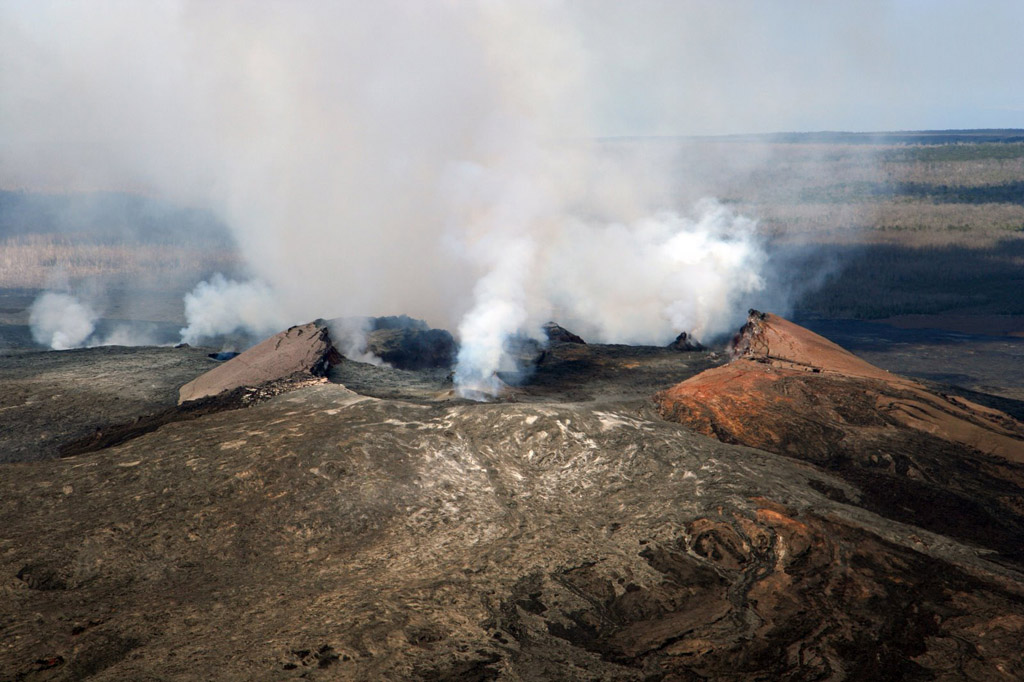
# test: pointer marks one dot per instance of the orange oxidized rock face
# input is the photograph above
(789, 390)
(794, 393)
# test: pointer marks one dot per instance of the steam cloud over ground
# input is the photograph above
(61, 321)
(434, 159)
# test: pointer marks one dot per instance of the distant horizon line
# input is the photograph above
(978, 134)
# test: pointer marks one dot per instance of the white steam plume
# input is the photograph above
(639, 283)
(500, 309)
(435, 159)
(647, 281)
(61, 321)
(224, 306)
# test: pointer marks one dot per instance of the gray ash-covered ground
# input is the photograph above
(374, 526)
(50, 398)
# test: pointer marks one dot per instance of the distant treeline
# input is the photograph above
(961, 151)
(908, 137)
(108, 217)
(1004, 193)
(901, 137)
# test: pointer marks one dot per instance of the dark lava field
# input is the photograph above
(369, 525)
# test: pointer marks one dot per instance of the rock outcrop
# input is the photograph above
(795, 393)
(685, 343)
(413, 348)
(298, 353)
(401, 341)
(775, 358)
(557, 333)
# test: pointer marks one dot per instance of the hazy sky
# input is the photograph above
(653, 67)
(670, 67)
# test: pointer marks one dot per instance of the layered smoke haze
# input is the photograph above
(434, 159)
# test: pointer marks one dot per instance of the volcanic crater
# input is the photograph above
(777, 510)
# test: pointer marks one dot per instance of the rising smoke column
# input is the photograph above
(434, 159)
(500, 309)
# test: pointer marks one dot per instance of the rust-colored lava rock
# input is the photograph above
(795, 393)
